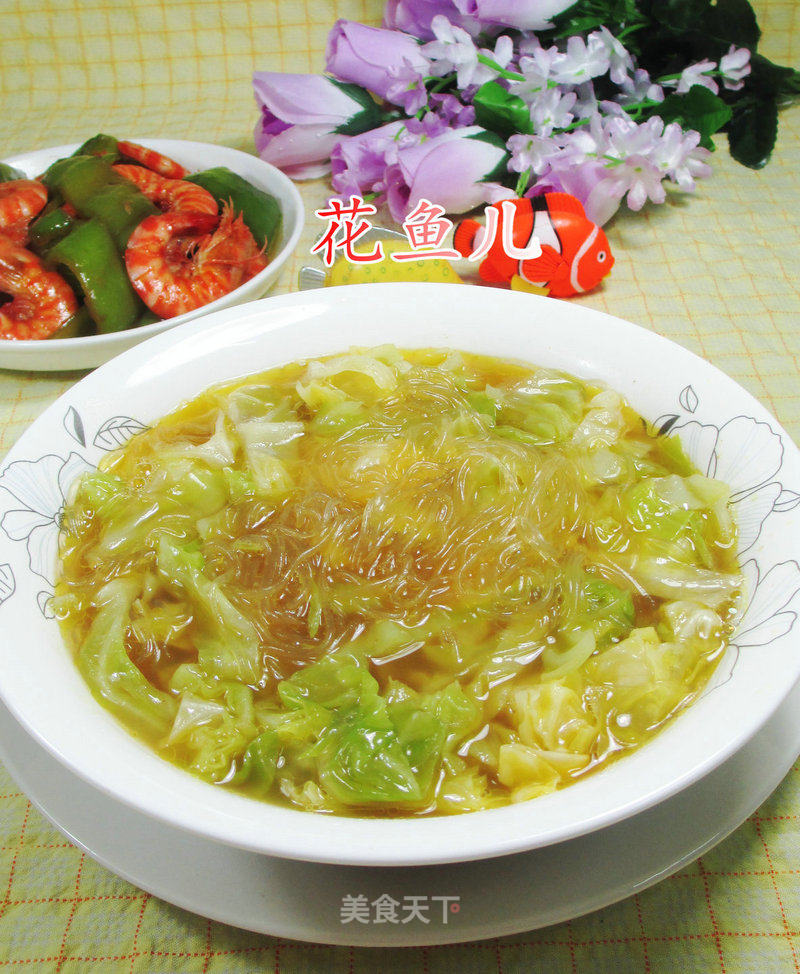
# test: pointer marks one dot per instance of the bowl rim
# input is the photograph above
(290, 201)
(290, 833)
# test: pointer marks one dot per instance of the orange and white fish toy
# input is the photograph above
(575, 253)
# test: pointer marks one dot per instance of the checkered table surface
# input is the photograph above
(716, 273)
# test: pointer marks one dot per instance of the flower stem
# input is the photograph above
(508, 75)
(522, 182)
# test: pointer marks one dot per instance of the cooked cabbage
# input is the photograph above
(398, 583)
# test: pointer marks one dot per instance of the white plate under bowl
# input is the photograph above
(723, 428)
(53, 355)
(493, 898)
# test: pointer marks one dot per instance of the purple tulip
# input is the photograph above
(415, 16)
(303, 117)
(387, 62)
(455, 169)
(521, 14)
(590, 182)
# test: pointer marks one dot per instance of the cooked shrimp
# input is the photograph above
(169, 194)
(41, 300)
(176, 264)
(20, 201)
(152, 160)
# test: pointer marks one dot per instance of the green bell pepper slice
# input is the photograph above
(260, 211)
(9, 173)
(98, 193)
(104, 146)
(49, 228)
(89, 257)
(78, 326)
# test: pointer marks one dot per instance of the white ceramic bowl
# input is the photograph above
(85, 353)
(724, 429)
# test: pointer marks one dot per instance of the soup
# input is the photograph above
(398, 582)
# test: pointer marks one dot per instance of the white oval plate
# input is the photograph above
(724, 429)
(85, 353)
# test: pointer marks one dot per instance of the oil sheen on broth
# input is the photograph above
(398, 582)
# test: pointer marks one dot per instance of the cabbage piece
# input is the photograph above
(464, 789)
(359, 375)
(212, 733)
(202, 489)
(217, 451)
(102, 492)
(427, 725)
(550, 716)
(358, 756)
(337, 416)
(541, 410)
(521, 765)
(667, 578)
(265, 434)
(143, 515)
(604, 423)
(229, 645)
(518, 646)
(592, 604)
(108, 670)
(254, 399)
(240, 484)
(367, 765)
(686, 620)
(558, 661)
(645, 680)
(259, 763)
(669, 509)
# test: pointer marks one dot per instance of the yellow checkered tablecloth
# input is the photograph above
(716, 273)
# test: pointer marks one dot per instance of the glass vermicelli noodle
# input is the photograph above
(398, 582)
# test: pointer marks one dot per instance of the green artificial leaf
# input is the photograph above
(677, 14)
(772, 80)
(499, 111)
(617, 15)
(698, 109)
(753, 131)
(369, 117)
(734, 22)
(500, 171)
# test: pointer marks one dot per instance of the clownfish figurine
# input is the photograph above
(575, 255)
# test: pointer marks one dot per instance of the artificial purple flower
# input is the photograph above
(531, 153)
(300, 118)
(680, 157)
(551, 109)
(358, 162)
(697, 74)
(582, 60)
(587, 105)
(454, 50)
(415, 17)
(451, 110)
(537, 68)
(520, 14)
(620, 61)
(638, 87)
(429, 126)
(454, 170)
(387, 62)
(630, 150)
(734, 67)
